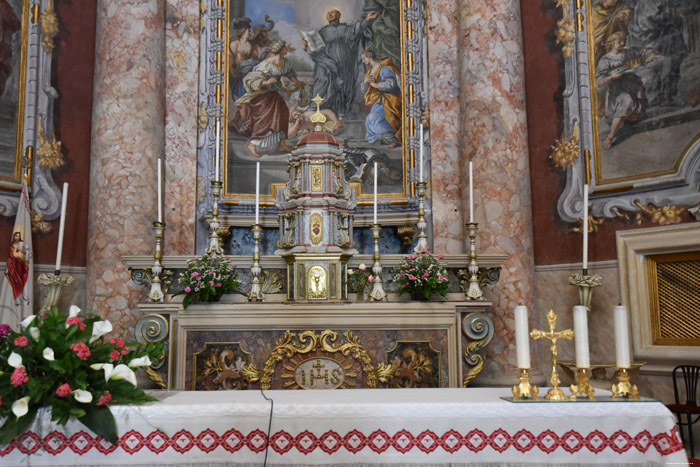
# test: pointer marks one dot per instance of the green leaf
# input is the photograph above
(101, 421)
(76, 412)
(13, 426)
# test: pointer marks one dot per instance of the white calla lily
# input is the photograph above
(20, 407)
(99, 329)
(34, 332)
(14, 360)
(141, 361)
(82, 396)
(122, 371)
(48, 354)
(27, 321)
(99, 366)
(73, 311)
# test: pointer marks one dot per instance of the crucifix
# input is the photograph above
(554, 394)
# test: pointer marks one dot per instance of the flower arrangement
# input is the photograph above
(362, 280)
(421, 275)
(207, 278)
(67, 364)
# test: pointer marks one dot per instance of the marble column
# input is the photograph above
(127, 138)
(494, 136)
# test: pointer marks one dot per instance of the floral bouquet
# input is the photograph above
(362, 280)
(66, 363)
(207, 278)
(420, 275)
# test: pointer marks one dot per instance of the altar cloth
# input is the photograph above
(362, 427)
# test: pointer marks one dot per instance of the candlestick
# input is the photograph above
(583, 386)
(160, 191)
(585, 227)
(422, 244)
(377, 293)
(474, 291)
(214, 246)
(257, 192)
(61, 228)
(522, 337)
(375, 193)
(217, 150)
(525, 390)
(581, 337)
(420, 163)
(471, 192)
(55, 283)
(622, 344)
(256, 293)
(156, 293)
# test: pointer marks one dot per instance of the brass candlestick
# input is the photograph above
(474, 291)
(554, 393)
(422, 244)
(156, 293)
(377, 293)
(214, 246)
(623, 388)
(55, 283)
(256, 294)
(525, 390)
(582, 386)
(585, 284)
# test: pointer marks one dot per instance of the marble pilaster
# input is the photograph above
(127, 138)
(494, 136)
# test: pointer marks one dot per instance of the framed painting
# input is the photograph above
(264, 62)
(633, 103)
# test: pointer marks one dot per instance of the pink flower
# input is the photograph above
(116, 341)
(410, 256)
(370, 279)
(188, 289)
(81, 350)
(218, 284)
(441, 256)
(63, 390)
(115, 355)
(405, 283)
(125, 350)
(21, 341)
(104, 399)
(77, 321)
(0, 400)
(425, 275)
(441, 277)
(362, 267)
(19, 376)
(211, 283)
(412, 269)
(412, 277)
(422, 250)
(195, 274)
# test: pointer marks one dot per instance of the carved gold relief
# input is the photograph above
(406, 233)
(154, 376)
(49, 152)
(220, 365)
(202, 117)
(49, 28)
(663, 216)
(271, 282)
(39, 225)
(566, 32)
(316, 228)
(593, 224)
(316, 178)
(317, 283)
(564, 153)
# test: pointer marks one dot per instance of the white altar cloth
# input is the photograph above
(361, 427)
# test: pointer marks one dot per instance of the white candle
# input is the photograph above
(375, 192)
(622, 339)
(160, 191)
(522, 337)
(217, 150)
(257, 192)
(420, 160)
(59, 249)
(585, 226)
(581, 337)
(471, 192)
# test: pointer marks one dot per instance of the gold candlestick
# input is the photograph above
(554, 393)
(156, 293)
(474, 291)
(256, 294)
(377, 293)
(624, 388)
(422, 244)
(582, 386)
(214, 246)
(585, 284)
(525, 390)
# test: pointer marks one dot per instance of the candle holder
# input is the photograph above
(377, 294)
(554, 393)
(582, 386)
(474, 291)
(624, 388)
(214, 246)
(55, 283)
(525, 390)
(422, 244)
(156, 293)
(585, 284)
(256, 294)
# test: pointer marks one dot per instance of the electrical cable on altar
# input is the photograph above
(269, 426)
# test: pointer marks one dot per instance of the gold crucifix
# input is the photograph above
(318, 118)
(554, 394)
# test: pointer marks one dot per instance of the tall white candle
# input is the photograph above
(160, 191)
(59, 248)
(375, 192)
(471, 192)
(581, 337)
(217, 150)
(522, 337)
(585, 226)
(257, 192)
(420, 160)
(622, 339)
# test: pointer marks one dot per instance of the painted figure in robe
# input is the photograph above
(383, 93)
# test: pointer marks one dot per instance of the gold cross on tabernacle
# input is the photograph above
(554, 394)
(318, 117)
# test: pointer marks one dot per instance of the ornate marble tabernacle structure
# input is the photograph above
(315, 219)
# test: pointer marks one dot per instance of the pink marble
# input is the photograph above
(127, 138)
(181, 68)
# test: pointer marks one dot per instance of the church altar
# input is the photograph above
(361, 427)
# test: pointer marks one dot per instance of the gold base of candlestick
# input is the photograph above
(525, 390)
(582, 386)
(624, 388)
(256, 294)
